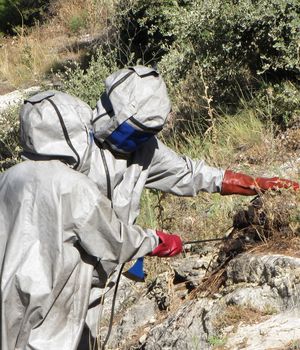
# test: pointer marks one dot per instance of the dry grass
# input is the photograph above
(292, 345)
(204, 216)
(234, 315)
(83, 16)
(242, 139)
(27, 58)
(239, 142)
(208, 215)
(280, 229)
(270, 224)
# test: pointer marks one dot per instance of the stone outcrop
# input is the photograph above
(16, 97)
(257, 308)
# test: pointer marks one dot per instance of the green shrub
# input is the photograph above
(236, 45)
(213, 54)
(279, 102)
(77, 23)
(212, 50)
(14, 13)
(9, 138)
(147, 27)
(216, 340)
(89, 84)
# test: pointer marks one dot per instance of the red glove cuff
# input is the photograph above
(170, 245)
(238, 183)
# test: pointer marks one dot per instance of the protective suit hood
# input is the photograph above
(56, 125)
(133, 108)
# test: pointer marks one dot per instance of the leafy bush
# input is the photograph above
(89, 84)
(279, 102)
(212, 51)
(235, 45)
(9, 138)
(213, 54)
(20, 12)
(147, 27)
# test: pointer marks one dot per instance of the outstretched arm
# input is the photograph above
(181, 175)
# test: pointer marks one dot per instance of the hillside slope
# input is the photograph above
(242, 294)
(232, 70)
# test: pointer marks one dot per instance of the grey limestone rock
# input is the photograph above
(160, 317)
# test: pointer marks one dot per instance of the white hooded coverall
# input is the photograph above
(47, 210)
(138, 96)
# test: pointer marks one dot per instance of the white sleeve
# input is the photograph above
(99, 230)
(181, 175)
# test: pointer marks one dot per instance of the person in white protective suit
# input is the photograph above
(57, 228)
(130, 157)
(133, 109)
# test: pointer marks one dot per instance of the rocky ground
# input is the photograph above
(257, 308)
(16, 97)
(242, 294)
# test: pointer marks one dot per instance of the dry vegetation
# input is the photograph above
(234, 315)
(28, 58)
(82, 16)
(244, 143)
(270, 223)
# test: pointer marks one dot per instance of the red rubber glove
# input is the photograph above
(169, 245)
(238, 183)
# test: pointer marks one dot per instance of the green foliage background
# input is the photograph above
(213, 54)
(14, 13)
